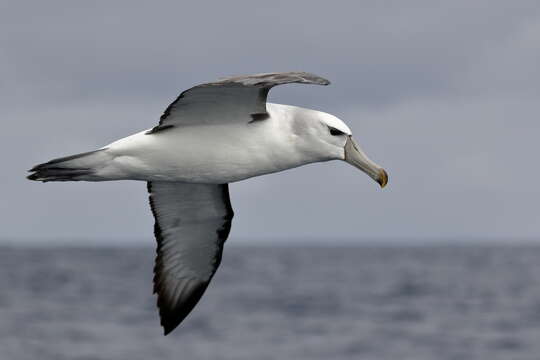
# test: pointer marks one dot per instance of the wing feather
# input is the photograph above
(231, 99)
(192, 222)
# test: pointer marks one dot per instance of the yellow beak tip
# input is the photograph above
(383, 178)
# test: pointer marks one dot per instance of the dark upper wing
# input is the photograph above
(228, 100)
(192, 224)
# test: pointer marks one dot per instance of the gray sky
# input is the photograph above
(444, 95)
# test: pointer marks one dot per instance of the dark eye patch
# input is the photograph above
(335, 132)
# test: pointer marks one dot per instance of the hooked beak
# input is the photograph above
(356, 157)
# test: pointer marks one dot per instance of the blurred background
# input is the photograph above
(441, 264)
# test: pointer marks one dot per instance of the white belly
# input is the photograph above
(204, 154)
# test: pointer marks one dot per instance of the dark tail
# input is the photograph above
(70, 168)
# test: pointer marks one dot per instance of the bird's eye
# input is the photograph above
(335, 132)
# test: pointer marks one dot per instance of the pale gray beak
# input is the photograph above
(356, 157)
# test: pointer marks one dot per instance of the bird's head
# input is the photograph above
(322, 137)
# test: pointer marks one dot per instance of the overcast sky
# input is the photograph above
(444, 95)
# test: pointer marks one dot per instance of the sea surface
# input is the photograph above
(365, 302)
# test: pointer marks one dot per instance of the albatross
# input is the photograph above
(211, 135)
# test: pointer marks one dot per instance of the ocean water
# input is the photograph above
(425, 302)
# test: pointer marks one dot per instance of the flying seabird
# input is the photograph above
(212, 134)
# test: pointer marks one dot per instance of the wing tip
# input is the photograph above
(168, 328)
(315, 79)
(173, 313)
